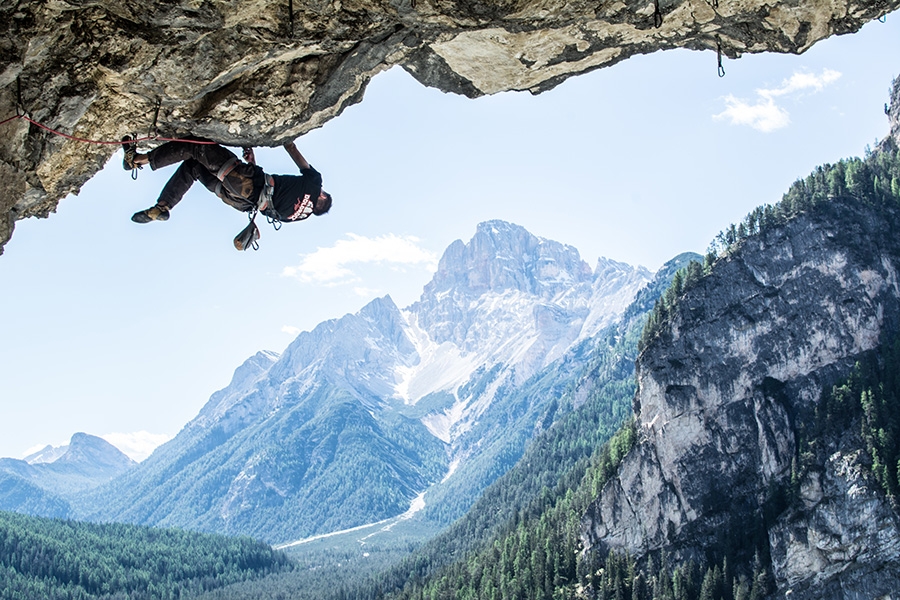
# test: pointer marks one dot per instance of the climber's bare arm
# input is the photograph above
(296, 156)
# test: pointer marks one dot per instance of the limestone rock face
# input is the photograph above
(259, 73)
(751, 347)
(893, 111)
(845, 530)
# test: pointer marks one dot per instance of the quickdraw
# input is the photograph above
(20, 106)
(719, 56)
(291, 15)
(657, 15)
(153, 129)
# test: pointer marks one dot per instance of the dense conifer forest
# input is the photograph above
(51, 559)
(870, 399)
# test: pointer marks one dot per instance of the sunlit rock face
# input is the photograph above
(253, 72)
(752, 348)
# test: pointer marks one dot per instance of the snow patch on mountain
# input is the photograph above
(46, 455)
(439, 366)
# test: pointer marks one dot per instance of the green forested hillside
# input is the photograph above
(553, 463)
(51, 559)
(539, 554)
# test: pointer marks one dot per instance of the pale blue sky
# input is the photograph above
(113, 327)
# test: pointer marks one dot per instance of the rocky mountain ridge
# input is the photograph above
(363, 413)
(99, 69)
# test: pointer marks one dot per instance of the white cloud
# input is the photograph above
(800, 82)
(764, 114)
(332, 266)
(291, 330)
(137, 445)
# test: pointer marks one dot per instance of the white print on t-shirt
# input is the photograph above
(302, 209)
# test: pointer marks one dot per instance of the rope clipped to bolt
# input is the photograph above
(75, 138)
(152, 136)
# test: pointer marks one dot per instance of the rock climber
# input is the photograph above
(241, 185)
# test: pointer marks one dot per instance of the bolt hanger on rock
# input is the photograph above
(20, 106)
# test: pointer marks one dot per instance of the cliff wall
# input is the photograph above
(723, 392)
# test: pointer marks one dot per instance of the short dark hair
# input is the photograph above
(326, 205)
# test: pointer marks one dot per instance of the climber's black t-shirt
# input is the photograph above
(292, 190)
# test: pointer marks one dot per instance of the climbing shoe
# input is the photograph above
(130, 149)
(154, 213)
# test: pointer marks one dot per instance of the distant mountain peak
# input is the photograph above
(502, 256)
(82, 448)
(46, 455)
(90, 451)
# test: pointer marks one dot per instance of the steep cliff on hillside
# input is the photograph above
(725, 391)
(262, 72)
(894, 113)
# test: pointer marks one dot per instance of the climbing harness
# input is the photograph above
(657, 15)
(227, 168)
(719, 56)
(265, 204)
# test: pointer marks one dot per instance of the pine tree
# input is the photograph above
(741, 590)
(707, 588)
(639, 589)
